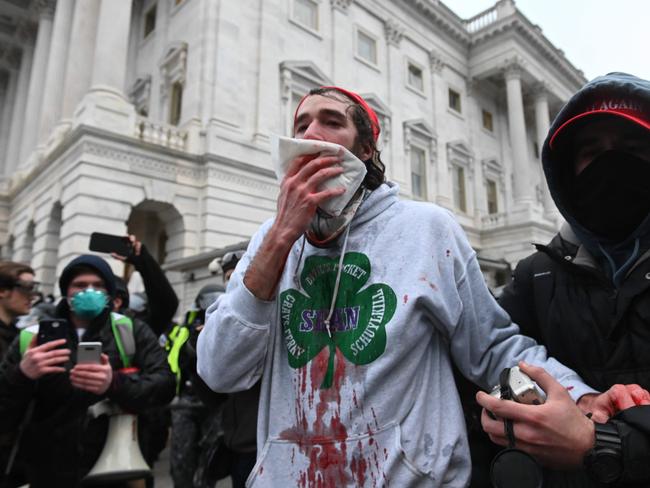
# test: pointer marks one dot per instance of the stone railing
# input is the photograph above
(481, 20)
(161, 134)
(492, 221)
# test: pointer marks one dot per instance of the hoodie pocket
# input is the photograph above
(366, 460)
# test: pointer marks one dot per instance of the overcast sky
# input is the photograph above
(597, 36)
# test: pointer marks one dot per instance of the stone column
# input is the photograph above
(79, 64)
(523, 191)
(58, 55)
(7, 103)
(18, 113)
(341, 29)
(542, 124)
(399, 170)
(442, 181)
(105, 105)
(37, 79)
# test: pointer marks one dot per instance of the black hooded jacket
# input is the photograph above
(564, 297)
(59, 432)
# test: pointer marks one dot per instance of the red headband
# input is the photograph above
(374, 121)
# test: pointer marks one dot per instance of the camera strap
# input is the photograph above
(506, 394)
(512, 467)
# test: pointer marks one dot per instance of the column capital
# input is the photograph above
(435, 61)
(513, 67)
(540, 90)
(394, 32)
(341, 5)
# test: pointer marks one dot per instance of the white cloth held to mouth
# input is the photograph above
(286, 149)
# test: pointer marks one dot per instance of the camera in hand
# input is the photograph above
(522, 389)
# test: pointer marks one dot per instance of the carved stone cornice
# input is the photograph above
(341, 5)
(394, 32)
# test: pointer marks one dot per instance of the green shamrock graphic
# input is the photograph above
(357, 323)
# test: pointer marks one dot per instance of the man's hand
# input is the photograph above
(297, 203)
(300, 195)
(557, 432)
(136, 245)
(44, 359)
(94, 378)
(619, 397)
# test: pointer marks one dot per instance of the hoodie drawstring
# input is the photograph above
(337, 282)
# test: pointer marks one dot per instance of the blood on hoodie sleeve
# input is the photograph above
(484, 340)
(232, 346)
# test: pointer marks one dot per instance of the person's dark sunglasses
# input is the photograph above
(28, 287)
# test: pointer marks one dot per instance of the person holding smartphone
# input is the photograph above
(61, 390)
(17, 289)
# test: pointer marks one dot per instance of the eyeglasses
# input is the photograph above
(27, 287)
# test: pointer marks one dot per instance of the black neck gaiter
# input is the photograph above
(611, 196)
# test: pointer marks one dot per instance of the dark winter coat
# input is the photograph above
(58, 432)
(588, 300)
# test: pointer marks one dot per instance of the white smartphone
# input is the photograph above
(89, 352)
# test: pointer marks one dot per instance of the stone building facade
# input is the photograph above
(153, 116)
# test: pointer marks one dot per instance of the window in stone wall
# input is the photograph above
(418, 173)
(488, 123)
(150, 21)
(366, 47)
(415, 77)
(454, 100)
(305, 12)
(176, 103)
(492, 197)
(460, 198)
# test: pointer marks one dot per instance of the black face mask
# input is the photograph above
(611, 196)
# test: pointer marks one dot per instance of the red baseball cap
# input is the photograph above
(627, 108)
(374, 121)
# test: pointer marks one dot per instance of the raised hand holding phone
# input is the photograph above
(43, 359)
(110, 244)
(93, 378)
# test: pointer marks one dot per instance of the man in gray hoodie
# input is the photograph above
(586, 295)
(352, 323)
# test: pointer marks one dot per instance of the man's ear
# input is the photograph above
(366, 152)
(5, 292)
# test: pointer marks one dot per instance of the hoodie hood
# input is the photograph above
(612, 95)
(88, 260)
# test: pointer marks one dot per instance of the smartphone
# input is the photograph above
(109, 243)
(89, 352)
(51, 330)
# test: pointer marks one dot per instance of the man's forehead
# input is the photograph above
(87, 277)
(319, 103)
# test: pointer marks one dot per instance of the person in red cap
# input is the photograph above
(586, 294)
(352, 322)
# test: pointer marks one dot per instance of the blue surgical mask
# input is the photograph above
(89, 303)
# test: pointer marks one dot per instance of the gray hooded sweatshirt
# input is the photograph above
(375, 404)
